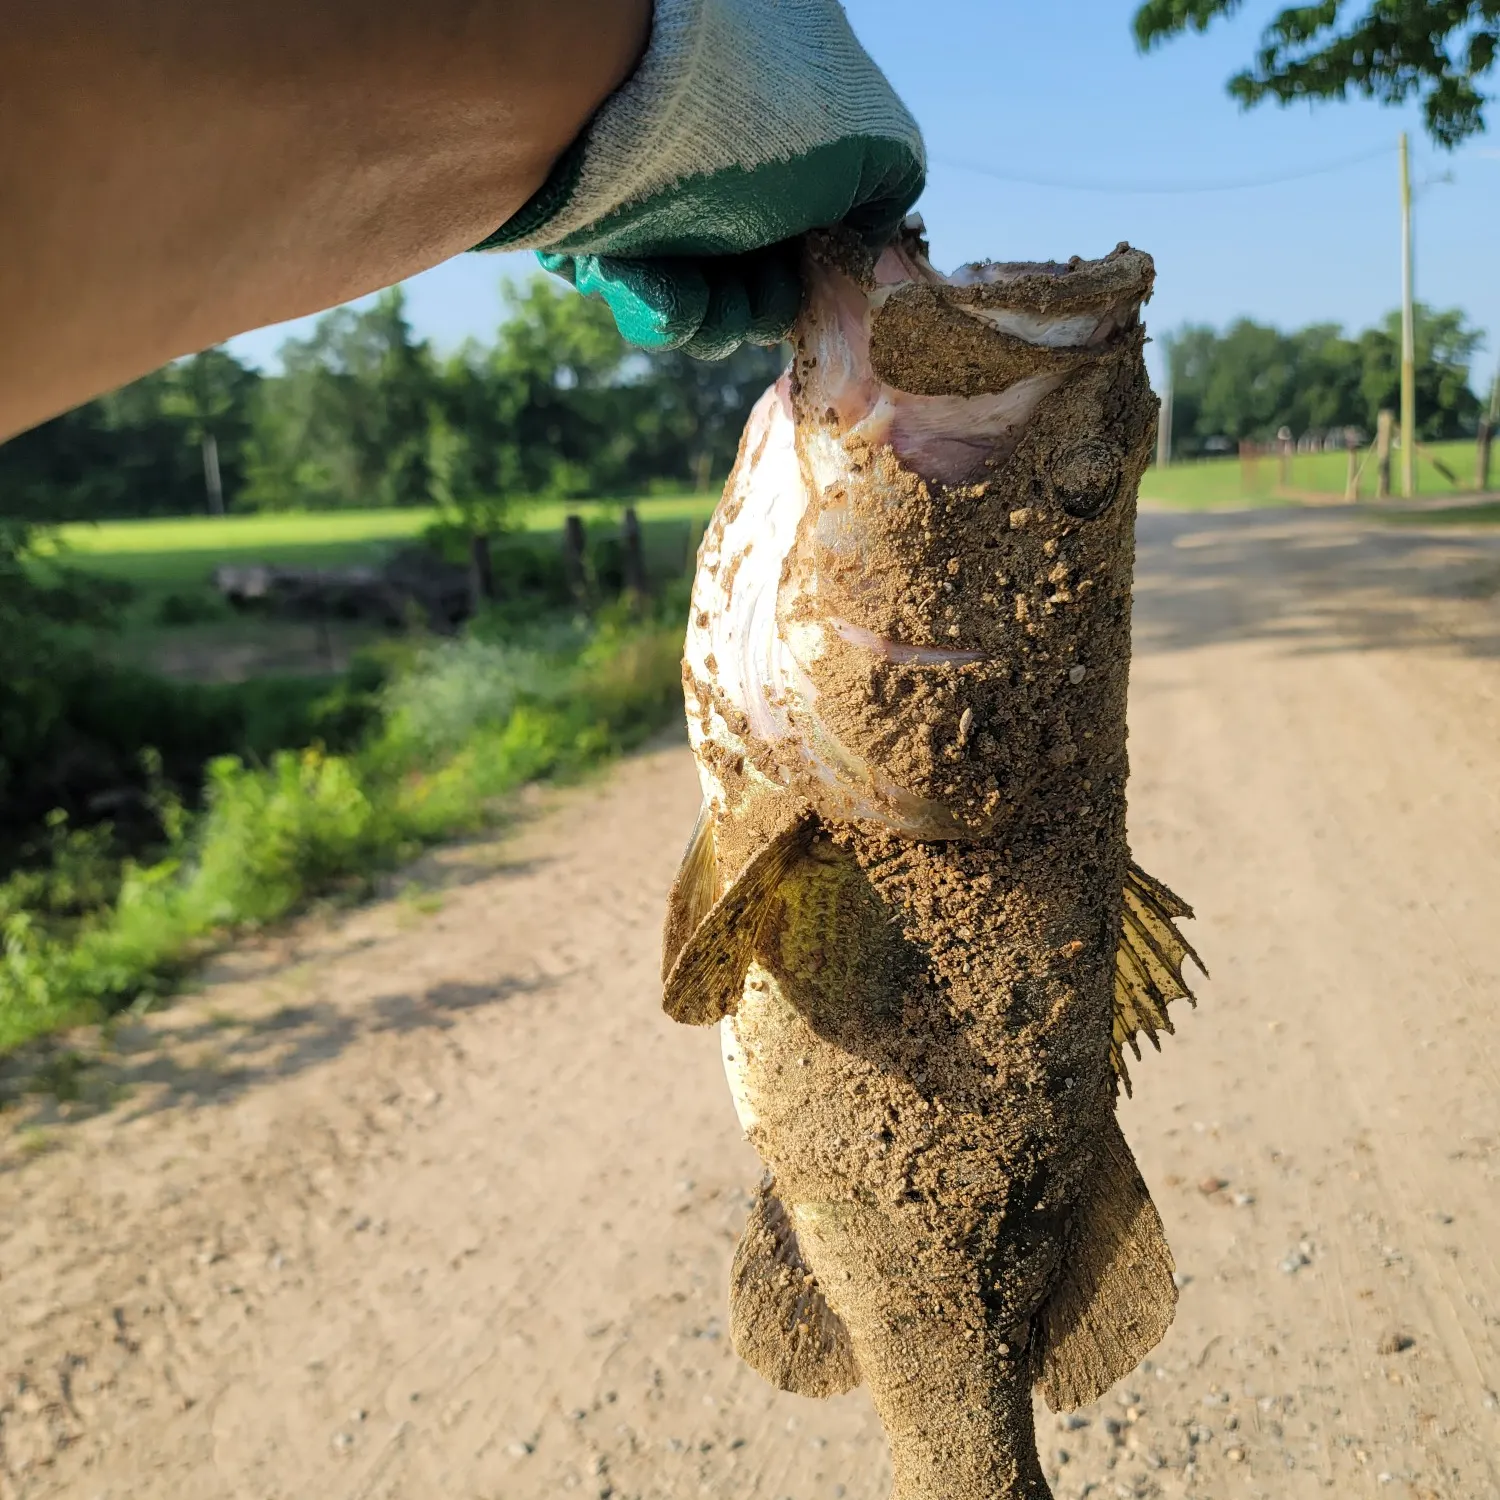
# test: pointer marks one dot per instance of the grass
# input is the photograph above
(460, 726)
(183, 549)
(1202, 484)
(1481, 513)
(175, 623)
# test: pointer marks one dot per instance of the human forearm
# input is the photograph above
(173, 172)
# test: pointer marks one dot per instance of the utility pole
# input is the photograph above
(1408, 340)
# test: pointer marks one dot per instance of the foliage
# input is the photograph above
(459, 689)
(346, 422)
(559, 407)
(136, 451)
(364, 414)
(1251, 380)
(460, 725)
(1438, 50)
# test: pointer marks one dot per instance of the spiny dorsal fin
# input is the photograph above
(693, 891)
(707, 977)
(779, 1323)
(1148, 966)
(1116, 1296)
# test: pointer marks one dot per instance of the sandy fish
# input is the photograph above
(908, 899)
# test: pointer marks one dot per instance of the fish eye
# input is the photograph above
(1086, 477)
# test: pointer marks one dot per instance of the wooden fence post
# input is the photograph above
(1249, 467)
(575, 558)
(1383, 424)
(1351, 473)
(481, 572)
(633, 554)
(1284, 439)
(1482, 456)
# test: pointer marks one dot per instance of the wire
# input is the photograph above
(1145, 188)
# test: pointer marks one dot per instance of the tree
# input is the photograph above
(697, 409)
(1438, 50)
(136, 451)
(363, 414)
(346, 422)
(1445, 352)
(209, 392)
(1252, 380)
(561, 384)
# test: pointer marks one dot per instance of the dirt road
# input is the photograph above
(432, 1201)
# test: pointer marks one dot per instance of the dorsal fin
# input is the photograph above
(707, 977)
(1115, 1296)
(779, 1322)
(1148, 966)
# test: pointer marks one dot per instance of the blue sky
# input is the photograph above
(1057, 93)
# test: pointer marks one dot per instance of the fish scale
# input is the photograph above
(909, 900)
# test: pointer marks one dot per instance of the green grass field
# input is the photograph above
(181, 551)
(1201, 484)
(171, 559)
(178, 550)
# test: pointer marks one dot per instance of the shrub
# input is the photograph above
(447, 732)
(190, 607)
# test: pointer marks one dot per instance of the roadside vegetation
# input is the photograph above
(177, 767)
(418, 742)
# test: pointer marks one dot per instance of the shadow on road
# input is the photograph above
(199, 1057)
(1314, 580)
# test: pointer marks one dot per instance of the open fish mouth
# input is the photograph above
(799, 553)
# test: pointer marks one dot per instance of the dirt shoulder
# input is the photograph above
(430, 1199)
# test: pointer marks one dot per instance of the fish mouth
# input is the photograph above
(949, 370)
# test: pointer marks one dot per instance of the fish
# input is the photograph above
(908, 901)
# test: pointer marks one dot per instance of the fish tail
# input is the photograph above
(953, 1392)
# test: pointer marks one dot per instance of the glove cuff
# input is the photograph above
(724, 85)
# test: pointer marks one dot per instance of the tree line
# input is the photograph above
(1251, 380)
(363, 413)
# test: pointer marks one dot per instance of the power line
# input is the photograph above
(1148, 188)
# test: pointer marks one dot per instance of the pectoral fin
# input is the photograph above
(1148, 966)
(693, 891)
(778, 1321)
(707, 977)
(1116, 1296)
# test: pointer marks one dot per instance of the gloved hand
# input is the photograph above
(747, 123)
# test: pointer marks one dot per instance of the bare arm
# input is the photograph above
(176, 171)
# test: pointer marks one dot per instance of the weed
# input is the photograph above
(35, 1141)
(421, 901)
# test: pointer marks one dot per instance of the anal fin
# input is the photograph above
(707, 977)
(779, 1323)
(1115, 1297)
(1148, 966)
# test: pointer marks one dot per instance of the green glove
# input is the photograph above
(747, 123)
